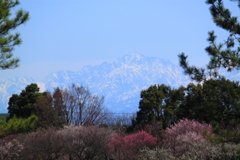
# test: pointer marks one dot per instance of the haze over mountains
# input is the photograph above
(120, 81)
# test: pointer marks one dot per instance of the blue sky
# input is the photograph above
(69, 34)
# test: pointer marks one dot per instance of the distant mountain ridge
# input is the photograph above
(120, 81)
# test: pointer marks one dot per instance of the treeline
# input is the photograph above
(200, 121)
(74, 105)
(212, 101)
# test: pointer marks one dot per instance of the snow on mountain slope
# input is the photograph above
(121, 81)
(11, 86)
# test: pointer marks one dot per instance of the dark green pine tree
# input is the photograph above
(8, 40)
(213, 101)
(158, 104)
(222, 55)
(22, 105)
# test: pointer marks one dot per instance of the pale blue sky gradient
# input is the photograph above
(69, 34)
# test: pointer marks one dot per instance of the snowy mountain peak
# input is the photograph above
(122, 81)
(132, 58)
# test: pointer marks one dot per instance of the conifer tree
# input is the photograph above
(222, 55)
(22, 105)
(158, 104)
(213, 101)
(8, 40)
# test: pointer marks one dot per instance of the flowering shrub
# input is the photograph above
(188, 141)
(154, 128)
(10, 150)
(218, 151)
(86, 142)
(139, 140)
(185, 125)
(127, 147)
(43, 144)
(182, 135)
(73, 142)
(156, 154)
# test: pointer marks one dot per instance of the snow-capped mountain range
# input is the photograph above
(120, 81)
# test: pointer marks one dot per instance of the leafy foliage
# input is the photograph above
(225, 133)
(214, 100)
(222, 55)
(158, 104)
(47, 115)
(22, 105)
(8, 40)
(18, 125)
